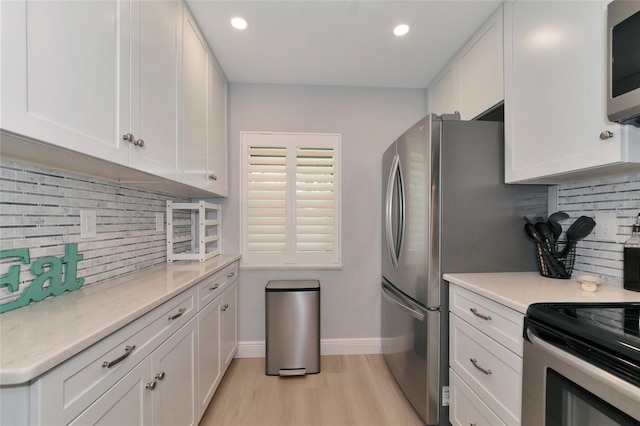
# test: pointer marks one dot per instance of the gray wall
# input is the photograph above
(369, 120)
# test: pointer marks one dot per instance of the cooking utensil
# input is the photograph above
(553, 220)
(533, 235)
(558, 216)
(546, 231)
(578, 230)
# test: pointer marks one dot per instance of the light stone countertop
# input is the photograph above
(517, 290)
(39, 336)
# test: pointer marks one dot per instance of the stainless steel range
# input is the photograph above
(581, 364)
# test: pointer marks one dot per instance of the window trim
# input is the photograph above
(293, 141)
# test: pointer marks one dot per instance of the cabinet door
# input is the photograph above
(156, 84)
(195, 97)
(65, 74)
(555, 86)
(174, 369)
(229, 321)
(128, 402)
(208, 353)
(217, 151)
(443, 96)
(481, 82)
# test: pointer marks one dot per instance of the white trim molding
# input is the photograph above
(366, 345)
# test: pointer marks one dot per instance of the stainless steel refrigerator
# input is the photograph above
(445, 209)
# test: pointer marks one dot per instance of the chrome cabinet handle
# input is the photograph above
(128, 137)
(606, 135)
(213, 177)
(160, 375)
(178, 315)
(214, 287)
(475, 364)
(224, 308)
(472, 424)
(474, 311)
(127, 351)
(231, 274)
(151, 385)
(139, 142)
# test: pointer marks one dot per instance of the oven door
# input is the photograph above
(559, 388)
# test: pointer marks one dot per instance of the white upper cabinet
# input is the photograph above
(472, 82)
(443, 95)
(62, 64)
(217, 170)
(555, 94)
(156, 82)
(129, 82)
(481, 70)
(205, 114)
(195, 106)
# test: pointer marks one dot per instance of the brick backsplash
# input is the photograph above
(620, 196)
(40, 210)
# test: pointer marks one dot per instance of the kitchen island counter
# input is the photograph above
(518, 290)
(42, 335)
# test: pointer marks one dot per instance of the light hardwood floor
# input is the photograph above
(350, 390)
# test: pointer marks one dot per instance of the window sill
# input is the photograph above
(289, 267)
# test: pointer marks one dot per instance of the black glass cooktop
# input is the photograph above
(606, 334)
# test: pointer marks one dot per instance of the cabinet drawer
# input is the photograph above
(466, 407)
(210, 287)
(69, 388)
(491, 370)
(495, 320)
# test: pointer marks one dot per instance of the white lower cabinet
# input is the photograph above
(126, 403)
(161, 369)
(159, 391)
(174, 374)
(229, 327)
(210, 369)
(217, 339)
(485, 360)
(466, 407)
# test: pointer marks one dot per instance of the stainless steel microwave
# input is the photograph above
(623, 98)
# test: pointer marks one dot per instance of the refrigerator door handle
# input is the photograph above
(417, 315)
(391, 239)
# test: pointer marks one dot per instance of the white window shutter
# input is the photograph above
(291, 199)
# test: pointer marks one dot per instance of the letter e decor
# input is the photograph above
(45, 269)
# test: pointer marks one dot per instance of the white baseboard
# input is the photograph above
(366, 345)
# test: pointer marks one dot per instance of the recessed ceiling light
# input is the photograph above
(401, 30)
(239, 23)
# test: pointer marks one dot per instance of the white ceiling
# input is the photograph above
(338, 43)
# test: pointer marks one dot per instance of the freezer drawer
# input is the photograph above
(408, 333)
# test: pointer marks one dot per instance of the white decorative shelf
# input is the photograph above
(204, 226)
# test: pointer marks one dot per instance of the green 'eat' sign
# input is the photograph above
(44, 269)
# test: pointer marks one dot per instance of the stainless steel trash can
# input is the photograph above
(292, 327)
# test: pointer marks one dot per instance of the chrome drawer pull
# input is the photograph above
(231, 274)
(474, 311)
(127, 351)
(472, 424)
(160, 375)
(214, 287)
(151, 385)
(475, 364)
(224, 308)
(179, 314)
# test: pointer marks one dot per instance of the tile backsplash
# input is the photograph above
(618, 196)
(40, 210)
